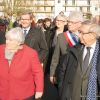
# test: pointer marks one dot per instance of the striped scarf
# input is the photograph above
(71, 38)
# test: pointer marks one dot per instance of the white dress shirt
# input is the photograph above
(27, 30)
(91, 51)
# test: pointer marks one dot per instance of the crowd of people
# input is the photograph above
(50, 60)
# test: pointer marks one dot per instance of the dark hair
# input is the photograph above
(40, 21)
(27, 12)
(47, 20)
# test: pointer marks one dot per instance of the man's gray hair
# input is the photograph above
(16, 34)
(94, 28)
(63, 16)
(78, 15)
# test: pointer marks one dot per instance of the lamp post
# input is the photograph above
(73, 2)
(58, 7)
(99, 6)
(88, 8)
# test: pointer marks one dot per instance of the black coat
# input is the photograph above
(70, 74)
(36, 40)
(2, 37)
(60, 49)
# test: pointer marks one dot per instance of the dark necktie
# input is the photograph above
(86, 59)
(25, 32)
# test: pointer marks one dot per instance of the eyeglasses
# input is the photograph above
(83, 33)
(72, 22)
(60, 20)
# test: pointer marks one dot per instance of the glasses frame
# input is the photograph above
(82, 33)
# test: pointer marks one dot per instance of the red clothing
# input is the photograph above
(18, 81)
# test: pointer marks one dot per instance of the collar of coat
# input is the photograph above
(77, 50)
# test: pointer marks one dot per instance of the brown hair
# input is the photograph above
(24, 12)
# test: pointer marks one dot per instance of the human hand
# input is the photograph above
(42, 64)
(52, 79)
(38, 95)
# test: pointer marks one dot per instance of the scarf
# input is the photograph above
(92, 82)
(71, 38)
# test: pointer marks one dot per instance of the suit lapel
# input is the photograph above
(81, 62)
(86, 69)
(29, 33)
(81, 56)
(29, 39)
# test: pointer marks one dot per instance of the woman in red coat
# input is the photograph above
(21, 74)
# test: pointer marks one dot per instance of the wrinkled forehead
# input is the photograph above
(74, 19)
(84, 28)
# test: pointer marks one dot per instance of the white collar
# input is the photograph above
(93, 45)
(28, 28)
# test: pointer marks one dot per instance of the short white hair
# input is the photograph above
(76, 15)
(16, 34)
(63, 16)
(94, 28)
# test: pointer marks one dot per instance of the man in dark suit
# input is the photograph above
(34, 36)
(65, 39)
(76, 81)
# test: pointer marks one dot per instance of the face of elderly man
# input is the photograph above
(73, 24)
(75, 19)
(87, 38)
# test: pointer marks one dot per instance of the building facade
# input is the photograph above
(50, 8)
